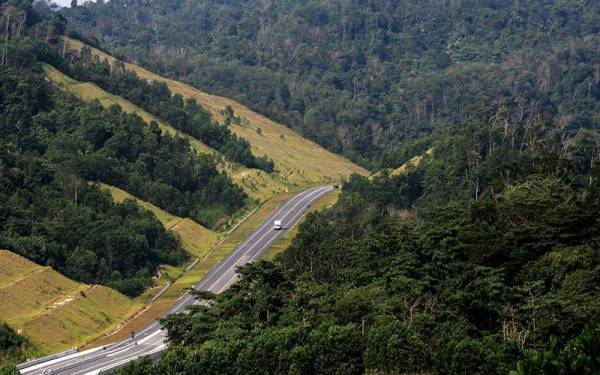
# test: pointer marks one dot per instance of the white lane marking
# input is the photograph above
(269, 243)
(297, 215)
(263, 236)
(74, 358)
(95, 368)
(298, 197)
(124, 361)
(294, 219)
(256, 232)
(91, 354)
(27, 370)
(186, 297)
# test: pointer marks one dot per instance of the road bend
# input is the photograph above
(152, 340)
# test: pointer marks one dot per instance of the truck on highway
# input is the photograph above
(277, 224)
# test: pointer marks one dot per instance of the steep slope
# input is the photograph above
(298, 160)
(256, 183)
(365, 77)
(53, 311)
(195, 239)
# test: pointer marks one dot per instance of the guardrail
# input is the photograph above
(37, 361)
(163, 290)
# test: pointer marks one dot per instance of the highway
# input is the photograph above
(152, 340)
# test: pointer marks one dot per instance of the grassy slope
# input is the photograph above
(196, 239)
(51, 310)
(212, 258)
(256, 183)
(298, 160)
(300, 163)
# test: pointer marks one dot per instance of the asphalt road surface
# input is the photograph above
(152, 339)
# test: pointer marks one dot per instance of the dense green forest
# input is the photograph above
(13, 347)
(484, 255)
(360, 77)
(53, 150)
(483, 258)
(186, 115)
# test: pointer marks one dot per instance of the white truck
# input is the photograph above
(277, 224)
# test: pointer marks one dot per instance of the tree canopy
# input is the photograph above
(426, 271)
(363, 77)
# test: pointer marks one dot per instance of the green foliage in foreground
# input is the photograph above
(579, 356)
(9, 369)
(463, 265)
(14, 348)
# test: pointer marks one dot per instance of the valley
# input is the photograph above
(299, 187)
(301, 163)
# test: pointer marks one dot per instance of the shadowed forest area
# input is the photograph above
(363, 78)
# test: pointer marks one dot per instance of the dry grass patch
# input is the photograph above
(88, 92)
(34, 294)
(256, 183)
(195, 239)
(167, 219)
(412, 163)
(85, 318)
(297, 159)
(54, 311)
(139, 322)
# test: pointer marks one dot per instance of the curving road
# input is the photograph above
(152, 340)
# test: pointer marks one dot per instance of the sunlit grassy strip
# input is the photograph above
(300, 161)
(118, 195)
(285, 241)
(195, 239)
(256, 183)
(404, 168)
(88, 317)
(412, 163)
(55, 312)
(88, 92)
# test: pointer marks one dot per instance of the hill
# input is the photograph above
(297, 160)
(362, 78)
(195, 239)
(54, 312)
(62, 139)
(497, 262)
(256, 183)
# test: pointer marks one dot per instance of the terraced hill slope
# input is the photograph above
(256, 183)
(298, 160)
(195, 239)
(54, 311)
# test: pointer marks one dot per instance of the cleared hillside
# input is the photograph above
(54, 311)
(256, 183)
(195, 239)
(297, 159)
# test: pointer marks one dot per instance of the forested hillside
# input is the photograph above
(54, 148)
(155, 97)
(482, 256)
(474, 249)
(360, 76)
